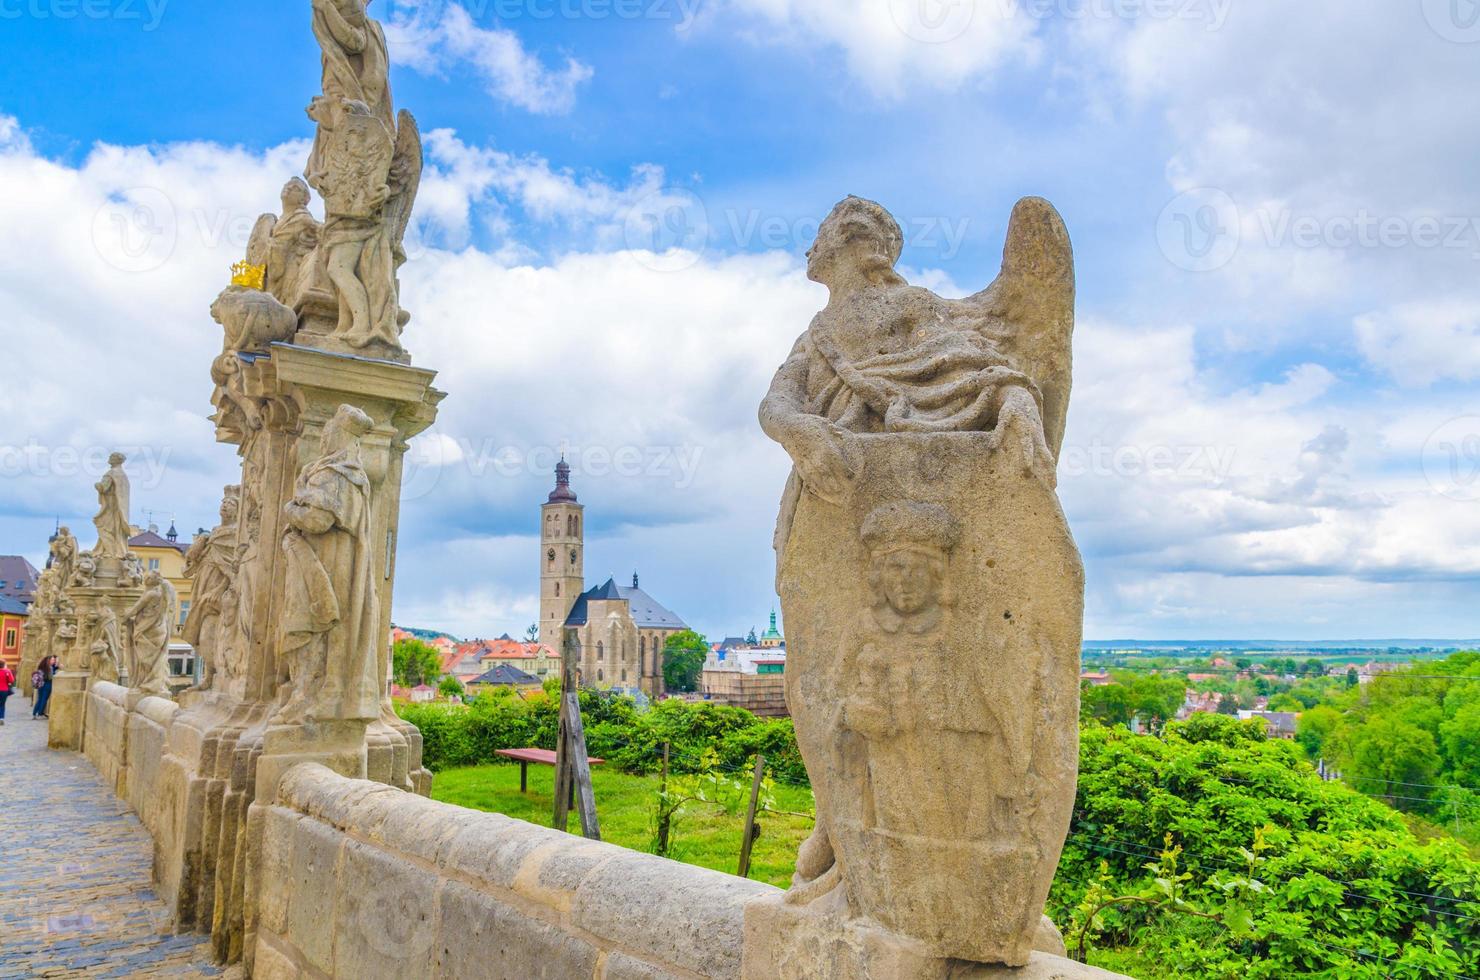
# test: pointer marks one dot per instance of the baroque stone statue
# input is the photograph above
(150, 620)
(367, 166)
(211, 564)
(112, 520)
(251, 320)
(283, 244)
(331, 643)
(933, 594)
(106, 651)
(64, 554)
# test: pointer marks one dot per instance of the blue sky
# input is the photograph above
(1274, 431)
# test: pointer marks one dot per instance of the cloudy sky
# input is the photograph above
(1276, 218)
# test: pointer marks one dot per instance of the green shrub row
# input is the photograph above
(616, 731)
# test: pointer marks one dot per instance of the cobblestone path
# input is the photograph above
(76, 896)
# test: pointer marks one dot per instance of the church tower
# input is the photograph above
(562, 553)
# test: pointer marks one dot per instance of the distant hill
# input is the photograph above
(1438, 645)
(424, 634)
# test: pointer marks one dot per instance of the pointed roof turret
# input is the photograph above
(562, 494)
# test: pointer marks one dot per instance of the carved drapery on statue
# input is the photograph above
(112, 520)
(330, 604)
(106, 650)
(933, 594)
(212, 563)
(282, 245)
(63, 554)
(150, 621)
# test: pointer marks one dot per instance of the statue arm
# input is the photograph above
(352, 39)
(783, 411)
(308, 518)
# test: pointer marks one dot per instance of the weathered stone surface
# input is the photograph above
(784, 941)
(933, 593)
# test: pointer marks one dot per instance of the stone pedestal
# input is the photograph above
(73, 634)
(336, 745)
(792, 942)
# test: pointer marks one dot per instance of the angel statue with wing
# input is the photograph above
(933, 593)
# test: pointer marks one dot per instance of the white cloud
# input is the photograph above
(891, 45)
(1422, 342)
(431, 36)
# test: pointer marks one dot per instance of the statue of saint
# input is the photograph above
(367, 165)
(106, 650)
(356, 67)
(150, 621)
(211, 563)
(64, 554)
(334, 653)
(112, 521)
(283, 243)
(933, 593)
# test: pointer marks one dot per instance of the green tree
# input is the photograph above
(1352, 677)
(450, 687)
(532, 635)
(1314, 667)
(683, 660)
(1393, 759)
(414, 663)
(1286, 702)
(1314, 730)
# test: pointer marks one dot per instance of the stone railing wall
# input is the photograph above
(362, 880)
(341, 877)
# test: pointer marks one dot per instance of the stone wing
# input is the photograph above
(260, 243)
(406, 169)
(1029, 310)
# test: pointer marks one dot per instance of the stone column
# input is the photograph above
(401, 402)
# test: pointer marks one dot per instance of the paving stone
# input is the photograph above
(76, 894)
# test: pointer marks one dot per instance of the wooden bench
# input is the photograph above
(541, 757)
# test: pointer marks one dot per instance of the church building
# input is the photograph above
(617, 632)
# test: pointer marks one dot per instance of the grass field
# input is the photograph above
(704, 835)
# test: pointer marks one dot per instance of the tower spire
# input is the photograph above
(562, 494)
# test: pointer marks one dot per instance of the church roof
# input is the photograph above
(647, 612)
(18, 578)
(511, 676)
(150, 539)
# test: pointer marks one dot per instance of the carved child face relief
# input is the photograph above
(908, 580)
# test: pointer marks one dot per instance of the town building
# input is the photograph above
(18, 579)
(470, 661)
(1278, 724)
(615, 633)
(746, 676)
(13, 614)
(503, 676)
(772, 638)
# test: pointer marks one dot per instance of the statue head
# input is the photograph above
(345, 430)
(908, 546)
(117, 459)
(858, 236)
(295, 195)
(64, 532)
(153, 580)
(231, 504)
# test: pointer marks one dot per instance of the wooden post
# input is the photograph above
(663, 811)
(750, 828)
(563, 770)
(581, 769)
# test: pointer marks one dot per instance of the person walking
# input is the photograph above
(7, 686)
(41, 681)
